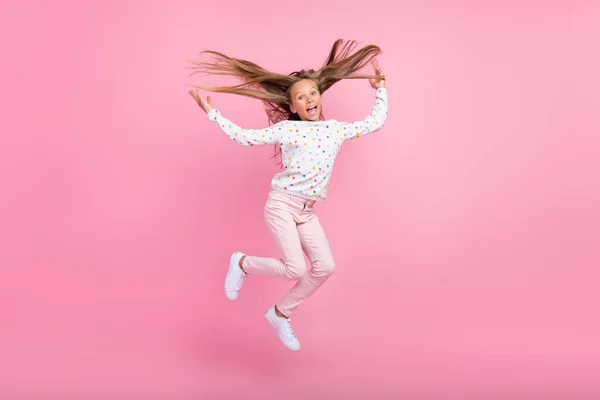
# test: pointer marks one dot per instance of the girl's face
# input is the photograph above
(306, 100)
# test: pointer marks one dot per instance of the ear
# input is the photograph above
(292, 108)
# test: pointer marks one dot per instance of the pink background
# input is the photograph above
(466, 233)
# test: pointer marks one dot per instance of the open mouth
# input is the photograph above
(312, 111)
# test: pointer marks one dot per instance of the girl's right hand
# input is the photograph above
(380, 81)
(205, 104)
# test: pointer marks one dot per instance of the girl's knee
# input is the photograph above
(323, 268)
(295, 269)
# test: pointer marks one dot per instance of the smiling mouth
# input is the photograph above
(312, 111)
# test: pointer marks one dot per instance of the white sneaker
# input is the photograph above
(235, 277)
(284, 330)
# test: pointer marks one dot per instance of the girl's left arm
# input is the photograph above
(373, 122)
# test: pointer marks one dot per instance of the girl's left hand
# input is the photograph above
(378, 82)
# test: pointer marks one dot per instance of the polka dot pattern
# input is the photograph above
(308, 148)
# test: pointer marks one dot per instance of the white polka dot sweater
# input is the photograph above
(308, 148)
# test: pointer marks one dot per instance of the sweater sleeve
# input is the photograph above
(244, 137)
(374, 120)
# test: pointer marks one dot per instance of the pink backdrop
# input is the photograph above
(466, 233)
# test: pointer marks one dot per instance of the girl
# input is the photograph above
(308, 144)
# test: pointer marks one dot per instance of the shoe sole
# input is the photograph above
(231, 295)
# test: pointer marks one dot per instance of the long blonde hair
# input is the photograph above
(273, 89)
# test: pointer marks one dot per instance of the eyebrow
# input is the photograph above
(311, 89)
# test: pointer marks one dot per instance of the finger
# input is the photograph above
(199, 100)
(194, 94)
(377, 68)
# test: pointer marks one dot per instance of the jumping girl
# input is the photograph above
(307, 144)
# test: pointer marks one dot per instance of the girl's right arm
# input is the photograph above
(244, 137)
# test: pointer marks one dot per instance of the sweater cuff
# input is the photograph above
(212, 114)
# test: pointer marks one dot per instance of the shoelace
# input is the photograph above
(288, 329)
(240, 280)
